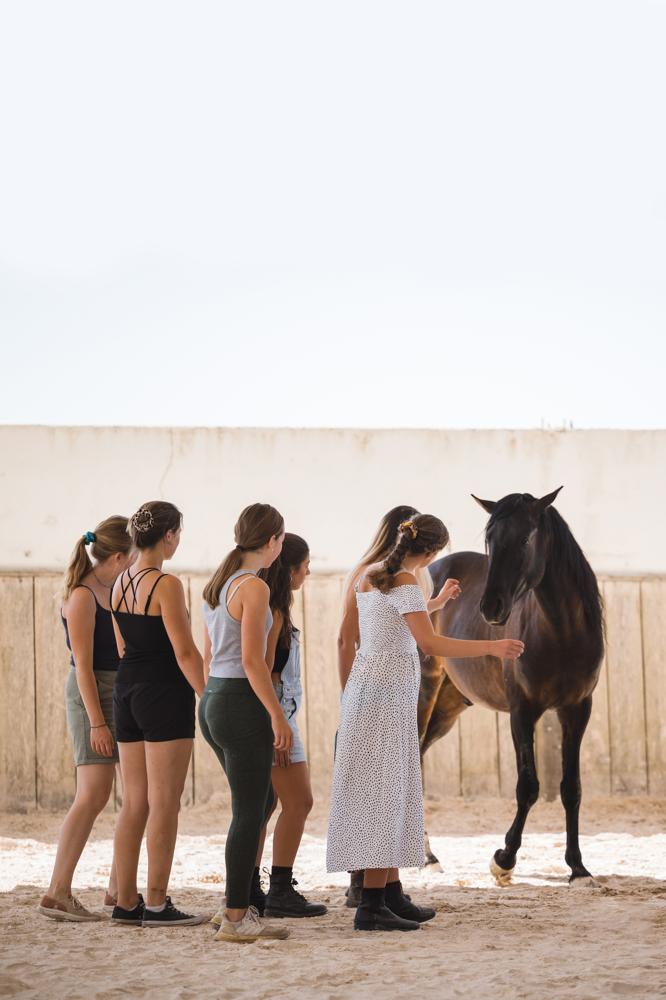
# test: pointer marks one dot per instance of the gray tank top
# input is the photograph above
(225, 632)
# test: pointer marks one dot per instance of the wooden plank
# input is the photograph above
(18, 790)
(479, 755)
(55, 763)
(441, 766)
(322, 608)
(653, 604)
(548, 747)
(508, 774)
(595, 751)
(209, 779)
(625, 688)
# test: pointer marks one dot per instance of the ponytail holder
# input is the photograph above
(241, 548)
(90, 537)
(410, 527)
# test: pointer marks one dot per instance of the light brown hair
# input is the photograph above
(255, 527)
(417, 535)
(109, 537)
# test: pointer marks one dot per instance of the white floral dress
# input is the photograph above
(376, 818)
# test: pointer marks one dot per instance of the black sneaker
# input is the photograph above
(171, 917)
(284, 901)
(400, 904)
(382, 919)
(133, 916)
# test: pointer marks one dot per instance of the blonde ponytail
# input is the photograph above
(109, 537)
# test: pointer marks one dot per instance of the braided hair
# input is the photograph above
(419, 535)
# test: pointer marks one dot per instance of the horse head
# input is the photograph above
(516, 551)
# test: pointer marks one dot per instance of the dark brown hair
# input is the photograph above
(255, 527)
(109, 537)
(417, 535)
(152, 521)
(295, 551)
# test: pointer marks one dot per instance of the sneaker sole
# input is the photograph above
(127, 923)
(248, 938)
(280, 914)
(60, 915)
(190, 922)
(372, 927)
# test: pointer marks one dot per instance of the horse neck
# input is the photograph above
(559, 596)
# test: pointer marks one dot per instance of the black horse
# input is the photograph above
(534, 584)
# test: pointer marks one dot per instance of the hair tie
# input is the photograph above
(143, 520)
(90, 537)
(410, 527)
(241, 548)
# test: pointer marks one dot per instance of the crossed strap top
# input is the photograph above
(149, 655)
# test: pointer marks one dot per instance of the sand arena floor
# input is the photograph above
(537, 938)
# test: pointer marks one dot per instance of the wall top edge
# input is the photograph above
(333, 430)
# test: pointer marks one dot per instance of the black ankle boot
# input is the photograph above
(257, 894)
(402, 906)
(284, 901)
(374, 915)
(353, 893)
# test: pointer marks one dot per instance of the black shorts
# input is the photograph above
(153, 712)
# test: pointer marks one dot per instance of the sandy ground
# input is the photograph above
(536, 938)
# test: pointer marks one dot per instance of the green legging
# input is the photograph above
(238, 728)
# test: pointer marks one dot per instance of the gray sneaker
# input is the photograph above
(250, 928)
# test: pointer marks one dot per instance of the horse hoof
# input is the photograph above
(502, 876)
(584, 882)
(433, 866)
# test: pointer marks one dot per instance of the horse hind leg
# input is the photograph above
(523, 720)
(574, 720)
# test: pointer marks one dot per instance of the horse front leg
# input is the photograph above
(574, 719)
(523, 720)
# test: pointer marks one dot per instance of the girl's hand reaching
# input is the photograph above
(449, 592)
(506, 649)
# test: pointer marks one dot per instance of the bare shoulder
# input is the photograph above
(171, 585)
(80, 601)
(404, 578)
(255, 589)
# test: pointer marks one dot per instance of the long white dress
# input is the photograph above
(376, 818)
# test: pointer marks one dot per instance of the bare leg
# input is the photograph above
(376, 878)
(166, 767)
(131, 821)
(523, 720)
(574, 719)
(93, 787)
(292, 785)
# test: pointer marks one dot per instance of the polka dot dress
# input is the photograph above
(376, 818)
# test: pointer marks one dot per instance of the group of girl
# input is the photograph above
(130, 699)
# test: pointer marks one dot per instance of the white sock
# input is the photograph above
(156, 909)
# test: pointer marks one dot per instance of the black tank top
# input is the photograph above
(149, 655)
(280, 661)
(105, 648)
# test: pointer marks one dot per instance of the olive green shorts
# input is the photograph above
(78, 722)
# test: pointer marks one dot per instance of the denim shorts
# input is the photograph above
(290, 710)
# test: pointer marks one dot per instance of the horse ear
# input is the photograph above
(488, 505)
(548, 499)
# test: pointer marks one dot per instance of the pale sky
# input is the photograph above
(367, 213)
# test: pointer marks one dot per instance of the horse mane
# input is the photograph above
(565, 556)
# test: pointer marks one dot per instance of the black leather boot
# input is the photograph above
(353, 893)
(257, 894)
(374, 915)
(402, 906)
(284, 901)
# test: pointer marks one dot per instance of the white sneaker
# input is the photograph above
(250, 928)
(219, 916)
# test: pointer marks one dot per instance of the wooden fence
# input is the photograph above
(624, 750)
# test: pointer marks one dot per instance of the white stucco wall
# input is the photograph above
(331, 485)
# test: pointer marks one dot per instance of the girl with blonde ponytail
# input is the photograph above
(86, 617)
(376, 818)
